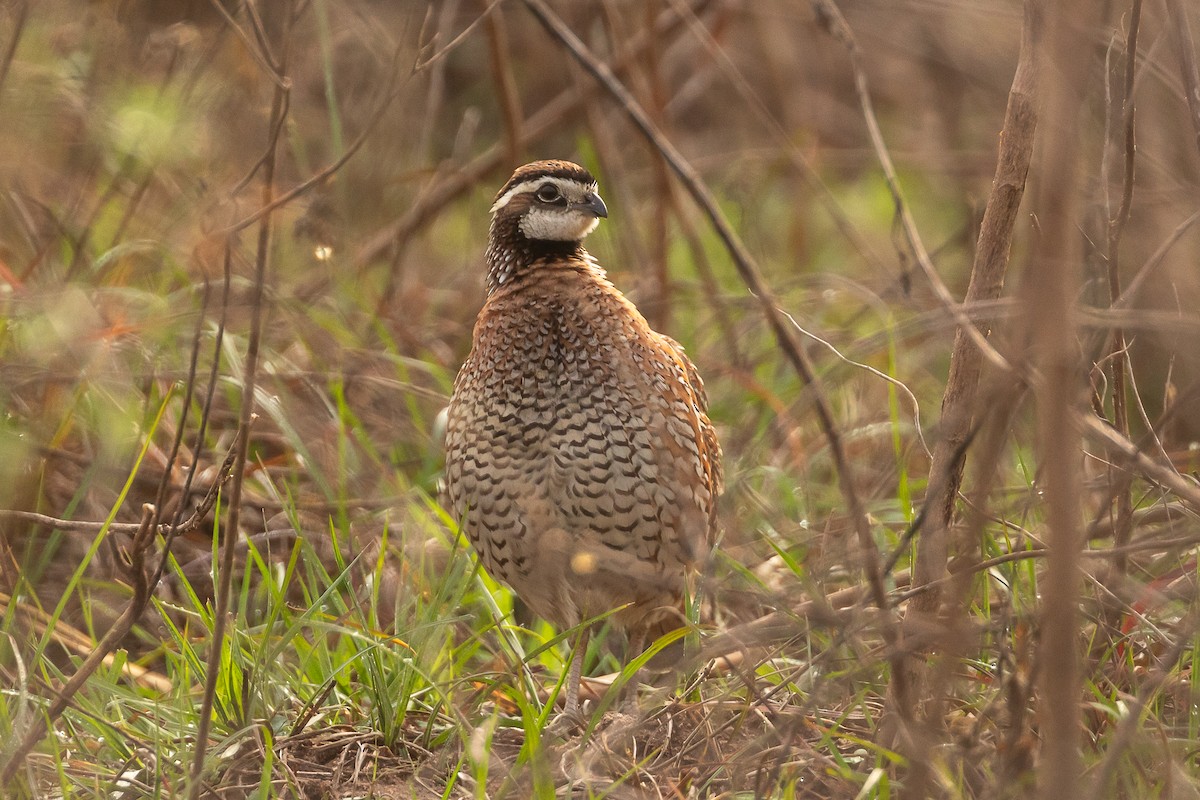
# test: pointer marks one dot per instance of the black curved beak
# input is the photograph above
(593, 205)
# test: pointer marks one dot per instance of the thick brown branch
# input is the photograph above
(987, 281)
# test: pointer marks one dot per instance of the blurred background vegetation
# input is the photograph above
(133, 142)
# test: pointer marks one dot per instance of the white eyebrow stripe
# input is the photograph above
(567, 186)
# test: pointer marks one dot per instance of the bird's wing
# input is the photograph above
(708, 433)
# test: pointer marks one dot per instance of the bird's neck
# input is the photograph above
(511, 252)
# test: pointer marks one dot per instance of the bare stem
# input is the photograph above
(279, 107)
(138, 548)
(1051, 285)
(792, 348)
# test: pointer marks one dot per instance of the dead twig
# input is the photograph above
(800, 160)
(459, 39)
(177, 527)
(960, 407)
(751, 275)
(1186, 48)
(506, 83)
(138, 548)
(255, 53)
(832, 18)
(164, 484)
(1049, 290)
(10, 52)
(390, 93)
(1120, 740)
(1118, 351)
(75, 525)
(548, 118)
(1152, 263)
(783, 625)
(1165, 475)
(279, 108)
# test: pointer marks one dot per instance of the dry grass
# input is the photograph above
(240, 251)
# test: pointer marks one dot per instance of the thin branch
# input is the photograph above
(248, 178)
(960, 421)
(279, 107)
(883, 376)
(87, 526)
(10, 52)
(832, 17)
(751, 275)
(264, 43)
(505, 82)
(78, 526)
(142, 540)
(457, 40)
(176, 528)
(1131, 721)
(781, 626)
(1166, 476)
(1182, 542)
(319, 177)
(1152, 263)
(1050, 287)
(1186, 48)
(783, 139)
(253, 51)
(547, 119)
(1119, 350)
(185, 406)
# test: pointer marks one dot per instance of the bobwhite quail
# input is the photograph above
(579, 456)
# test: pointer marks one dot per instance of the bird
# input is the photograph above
(581, 463)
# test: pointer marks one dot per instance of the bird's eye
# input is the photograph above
(548, 193)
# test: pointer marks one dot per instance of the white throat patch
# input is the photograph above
(557, 224)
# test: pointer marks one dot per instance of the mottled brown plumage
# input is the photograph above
(579, 455)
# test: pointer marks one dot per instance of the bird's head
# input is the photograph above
(549, 201)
